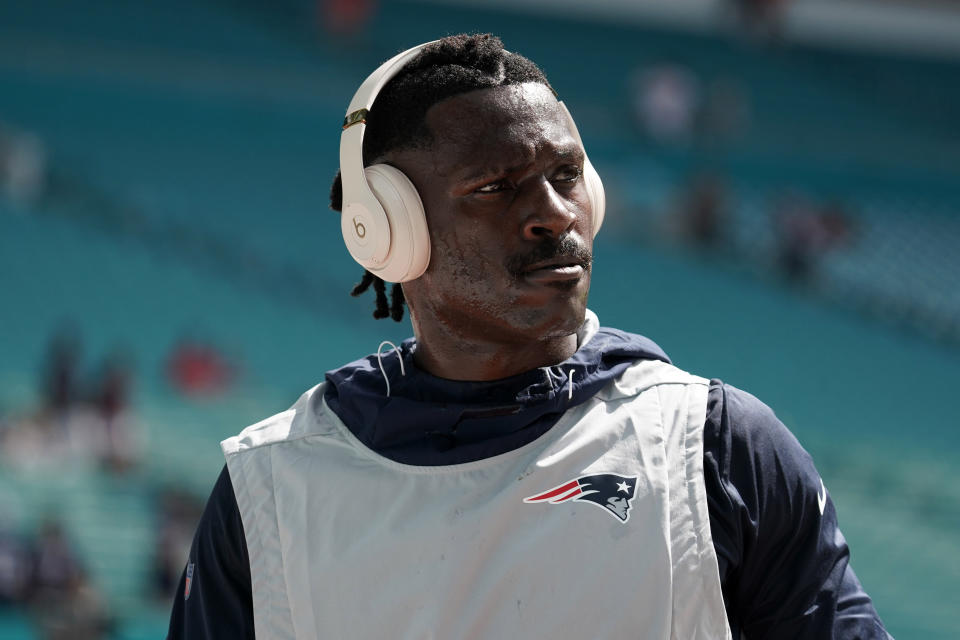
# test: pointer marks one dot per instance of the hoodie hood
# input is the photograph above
(433, 421)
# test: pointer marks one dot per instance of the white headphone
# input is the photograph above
(382, 219)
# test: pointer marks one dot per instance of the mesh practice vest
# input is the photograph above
(598, 529)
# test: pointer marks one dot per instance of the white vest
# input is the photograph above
(345, 543)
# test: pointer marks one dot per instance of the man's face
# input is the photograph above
(511, 227)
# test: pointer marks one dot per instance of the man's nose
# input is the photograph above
(546, 213)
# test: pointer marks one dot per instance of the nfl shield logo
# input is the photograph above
(188, 581)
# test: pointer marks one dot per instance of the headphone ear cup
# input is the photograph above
(598, 199)
(409, 252)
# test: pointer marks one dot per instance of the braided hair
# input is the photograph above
(397, 120)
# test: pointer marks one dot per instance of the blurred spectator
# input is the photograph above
(112, 418)
(197, 368)
(666, 99)
(59, 386)
(44, 434)
(805, 232)
(72, 427)
(56, 567)
(726, 111)
(23, 165)
(15, 567)
(762, 19)
(704, 214)
(65, 604)
(177, 516)
(346, 17)
(35, 441)
(80, 614)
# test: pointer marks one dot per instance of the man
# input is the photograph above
(515, 470)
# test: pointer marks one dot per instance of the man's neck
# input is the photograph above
(479, 360)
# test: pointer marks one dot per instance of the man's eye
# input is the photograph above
(492, 187)
(568, 174)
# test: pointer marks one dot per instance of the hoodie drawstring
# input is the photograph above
(403, 371)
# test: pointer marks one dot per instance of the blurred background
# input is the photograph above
(783, 182)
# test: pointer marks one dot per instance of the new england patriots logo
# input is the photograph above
(611, 491)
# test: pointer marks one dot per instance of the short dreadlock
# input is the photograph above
(397, 120)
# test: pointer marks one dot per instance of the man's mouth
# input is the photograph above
(554, 271)
(561, 263)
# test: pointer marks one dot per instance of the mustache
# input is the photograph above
(568, 249)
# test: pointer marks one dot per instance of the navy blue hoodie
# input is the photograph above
(784, 565)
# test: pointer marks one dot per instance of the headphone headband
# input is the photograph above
(366, 94)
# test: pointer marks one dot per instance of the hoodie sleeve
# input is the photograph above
(214, 599)
(784, 565)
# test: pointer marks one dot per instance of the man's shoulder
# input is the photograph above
(741, 419)
(298, 421)
(643, 375)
